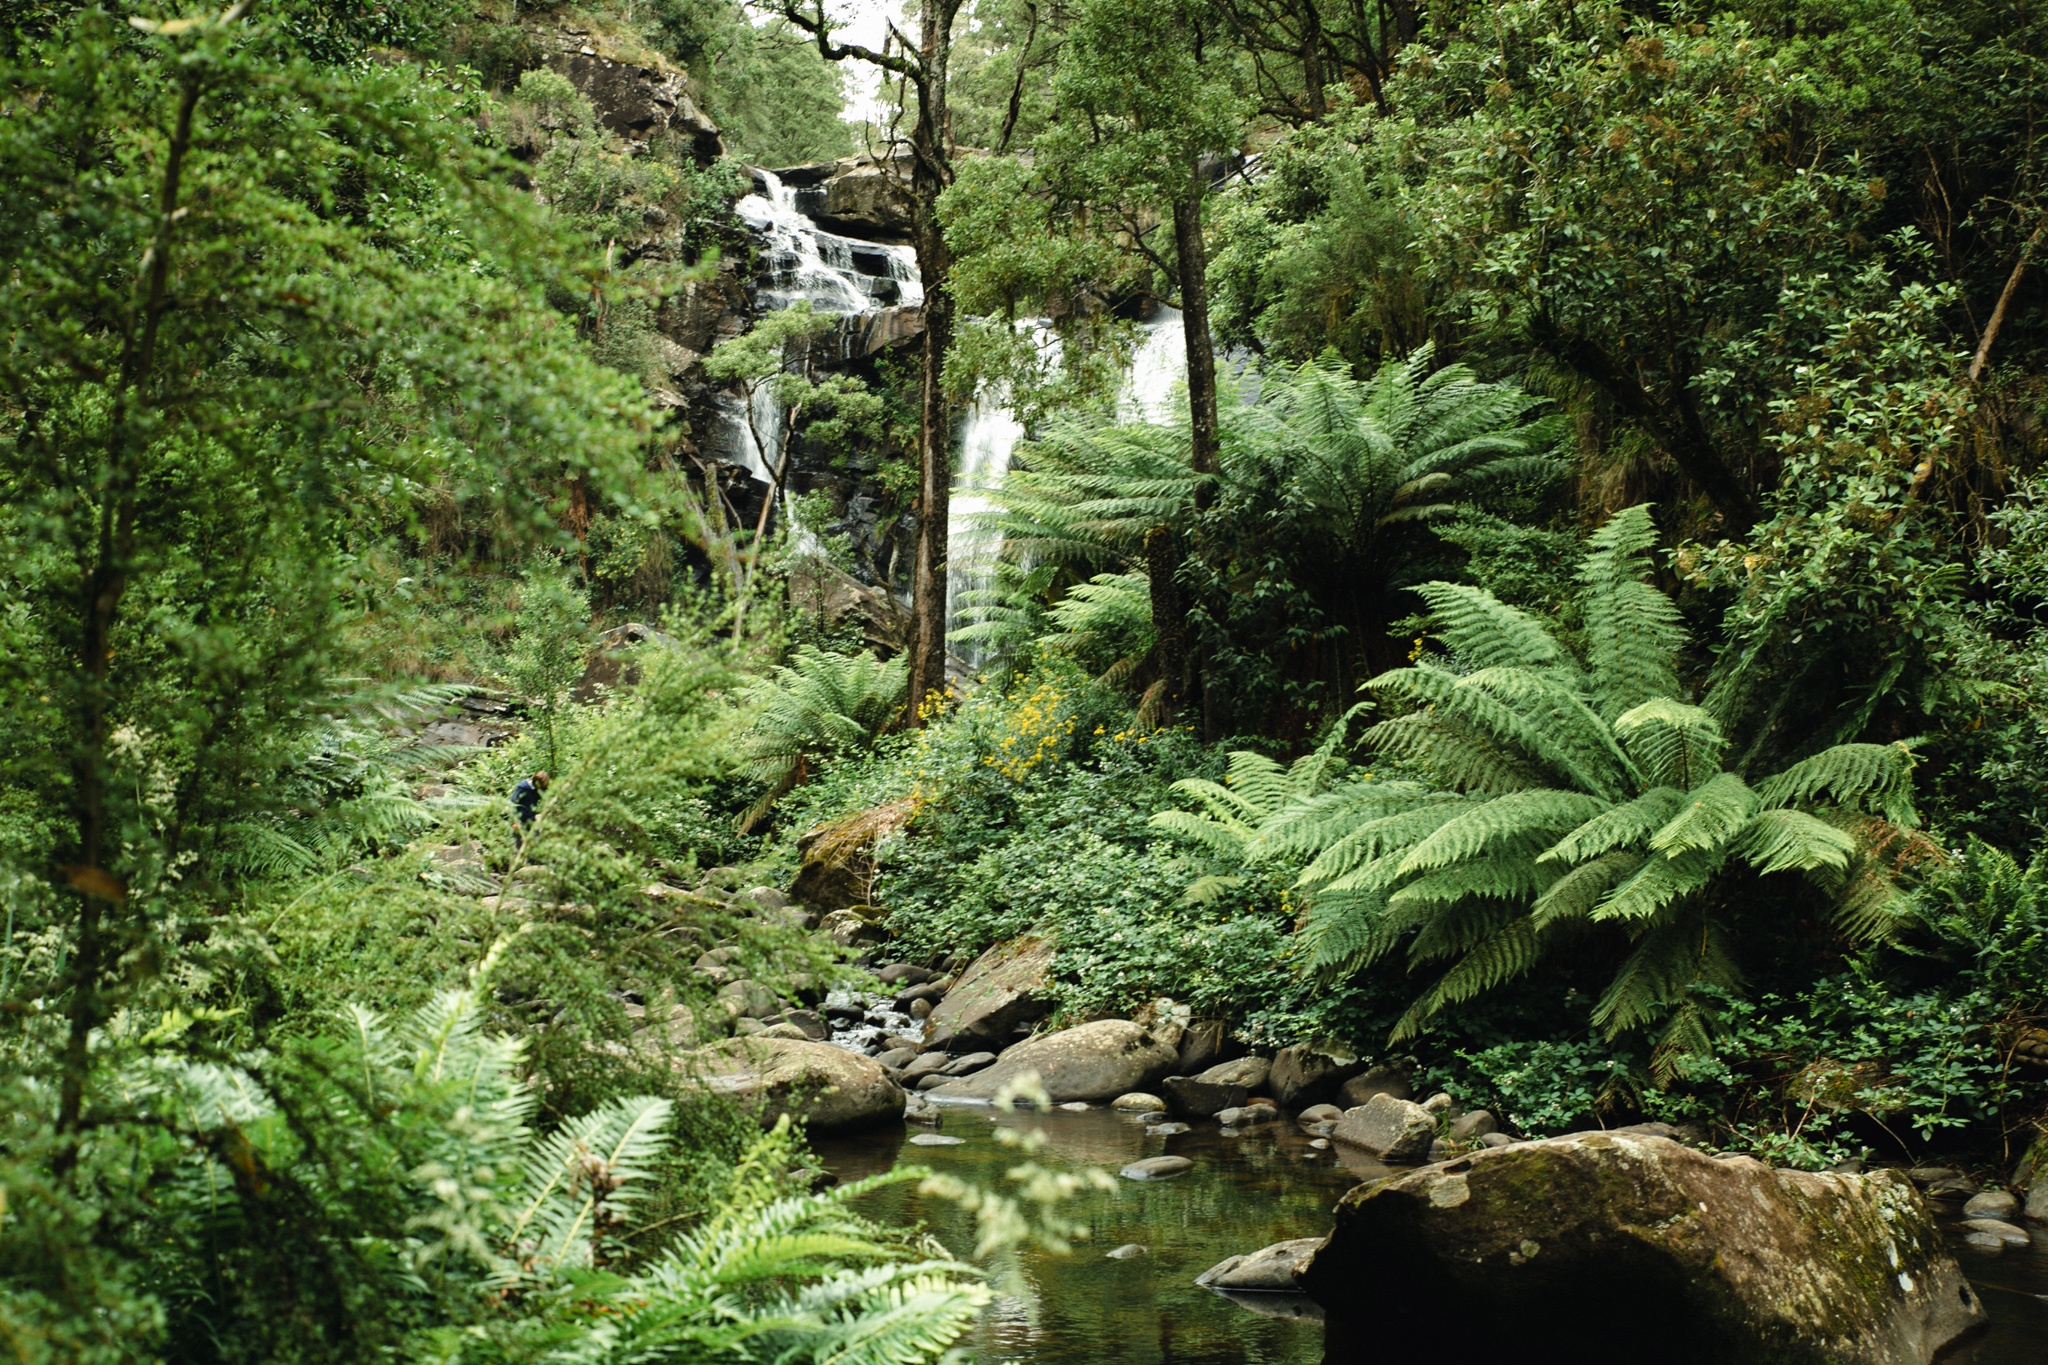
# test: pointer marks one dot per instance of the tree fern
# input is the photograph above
(818, 704)
(1346, 463)
(1564, 794)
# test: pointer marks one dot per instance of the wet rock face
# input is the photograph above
(856, 196)
(1607, 1246)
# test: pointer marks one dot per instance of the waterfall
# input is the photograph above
(1158, 367)
(800, 261)
(837, 274)
(987, 436)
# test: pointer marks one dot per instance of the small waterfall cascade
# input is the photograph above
(987, 436)
(1158, 367)
(801, 262)
(844, 276)
(836, 274)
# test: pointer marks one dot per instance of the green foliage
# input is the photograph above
(1324, 481)
(819, 705)
(1564, 810)
(547, 657)
(384, 1189)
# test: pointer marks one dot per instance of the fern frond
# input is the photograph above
(1485, 630)
(1579, 892)
(1708, 818)
(1508, 952)
(1621, 826)
(1877, 777)
(1658, 883)
(1788, 840)
(1520, 822)
(1675, 745)
(1633, 632)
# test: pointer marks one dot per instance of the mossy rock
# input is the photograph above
(1602, 1246)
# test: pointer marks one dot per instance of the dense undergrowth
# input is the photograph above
(1593, 661)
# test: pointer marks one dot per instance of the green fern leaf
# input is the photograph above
(1708, 818)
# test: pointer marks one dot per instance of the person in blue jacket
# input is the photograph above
(526, 798)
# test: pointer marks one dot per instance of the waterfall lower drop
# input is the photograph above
(990, 433)
(1158, 366)
(987, 437)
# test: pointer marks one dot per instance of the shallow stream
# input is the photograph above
(1245, 1192)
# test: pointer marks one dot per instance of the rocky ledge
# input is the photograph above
(1601, 1246)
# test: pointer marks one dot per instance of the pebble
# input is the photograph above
(1077, 1106)
(936, 1140)
(1127, 1251)
(1320, 1144)
(1157, 1168)
(1138, 1102)
(1168, 1129)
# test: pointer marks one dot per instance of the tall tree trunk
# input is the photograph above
(932, 172)
(1193, 254)
(1312, 59)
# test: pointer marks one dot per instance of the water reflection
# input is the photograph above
(1245, 1192)
(2014, 1287)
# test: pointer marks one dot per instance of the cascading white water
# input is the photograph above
(988, 435)
(803, 262)
(1158, 366)
(837, 274)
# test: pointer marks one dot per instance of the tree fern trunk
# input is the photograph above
(1169, 617)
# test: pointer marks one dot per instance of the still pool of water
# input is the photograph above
(1245, 1192)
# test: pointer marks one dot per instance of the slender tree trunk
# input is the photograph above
(1194, 320)
(105, 582)
(1193, 260)
(1312, 59)
(932, 172)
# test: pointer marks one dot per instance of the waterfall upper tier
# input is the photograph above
(801, 260)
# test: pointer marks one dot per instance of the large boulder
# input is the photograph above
(828, 1088)
(1098, 1061)
(839, 600)
(1609, 1247)
(1381, 1080)
(1269, 1271)
(1397, 1131)
(838, 867)
(1249, 1072)
(1006, 986)
(1309, 1073)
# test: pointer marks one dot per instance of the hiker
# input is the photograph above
(526, 798)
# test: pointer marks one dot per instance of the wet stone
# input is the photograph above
(1157, 1168)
